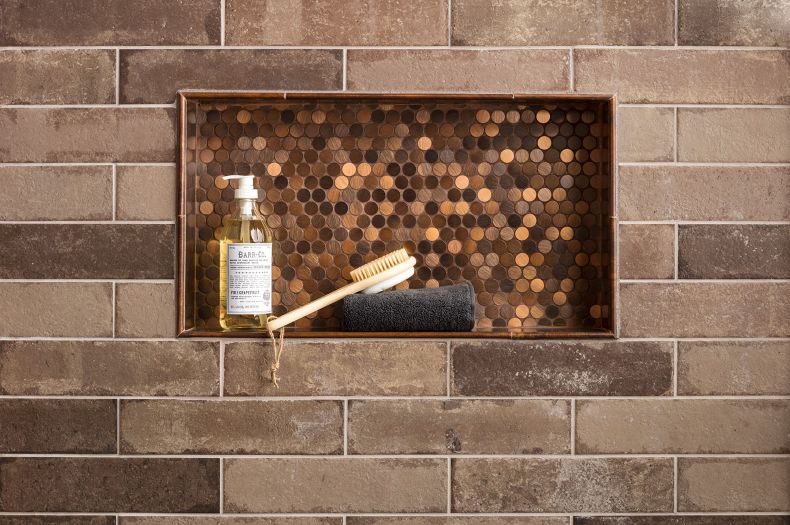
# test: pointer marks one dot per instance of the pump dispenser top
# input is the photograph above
(245, 189)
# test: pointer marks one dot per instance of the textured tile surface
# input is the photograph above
(733, 134)
(347, 368)
(73, 426)
(562, 485)
(733, 251)
(336, 485)
(145, 309)
(90, 251)
(155, 75)
(80, 76)
(106, 368)
(88, 135)
(573, 22)
(734, 484)
(41, 309)
(109, 22)
(734, 368)
(705, 309)
(459, 427)
(733, 23)
(330, 23)
(146, 193)
(510, 71)
(645, 134)
(499, 368)
(647, 251)
(704, 193)
(231, 427)
(109, 485)
(682, 426)
(684, 76)
(60, 193)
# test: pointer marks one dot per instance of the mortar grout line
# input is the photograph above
(410, 515)
(695, 222)
(416, 92)
(571, 71)
(185, 47)
(345, 427)
(676, 250)
(222, 369)
(118, 426)
(345, 69)
(448, 365)
(114, 193)
(117, 76)
(251, 399)
(573, 427)
(677, 23)
(436, 457)
(675, 484)
(622, 163)
(222, 485)
(449, 486)
(449, 23)
(113, 309)
(675, 369)
(675, 136)
(222, 23)
(110, 222)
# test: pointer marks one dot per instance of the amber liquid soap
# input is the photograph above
(245, 264)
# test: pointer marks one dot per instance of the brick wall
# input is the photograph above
(104, 414)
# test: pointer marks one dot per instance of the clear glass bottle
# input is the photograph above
(245, 292)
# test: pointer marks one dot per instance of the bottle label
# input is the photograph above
(249, 278)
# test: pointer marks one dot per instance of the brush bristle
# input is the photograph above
(379, 265)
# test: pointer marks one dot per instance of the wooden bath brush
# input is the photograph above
(373, 277)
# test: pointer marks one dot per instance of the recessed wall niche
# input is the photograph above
(511, 193)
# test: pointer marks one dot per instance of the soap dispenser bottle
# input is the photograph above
(245, 292)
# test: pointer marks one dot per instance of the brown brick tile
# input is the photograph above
(734, 484)
(733, 134)
(704, 193)
(562, 485)
(639, 426)
(733, 23)
(511, 71)
(684, 75)
(88, 135)
(146, 193)
(734, 368)
(32, 519)
(109, 22)
(536, 23)
(704, 309)
(682, 520)
(231, 427)
(457, 520)
(61, 193)
(39, 426)
(109, 485)
(738, 251)
(227, 520)
(647, 251)
(51, 309)
(62, 76)
(331, 23)
(339, 368)
(645, 134)
(459, 426)
(315, 485)
(573, 368)
(87, 251)
(109, 368)
(145, 309)
(154, 75)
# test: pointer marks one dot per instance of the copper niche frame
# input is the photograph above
(513, 193)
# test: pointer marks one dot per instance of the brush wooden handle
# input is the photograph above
(314, 306)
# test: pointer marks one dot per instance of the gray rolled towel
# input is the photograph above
(442, 309)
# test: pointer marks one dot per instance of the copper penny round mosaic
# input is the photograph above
(510, 196)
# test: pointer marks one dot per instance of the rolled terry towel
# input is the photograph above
(442, 309)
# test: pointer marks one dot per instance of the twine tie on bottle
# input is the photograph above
(277, 349)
